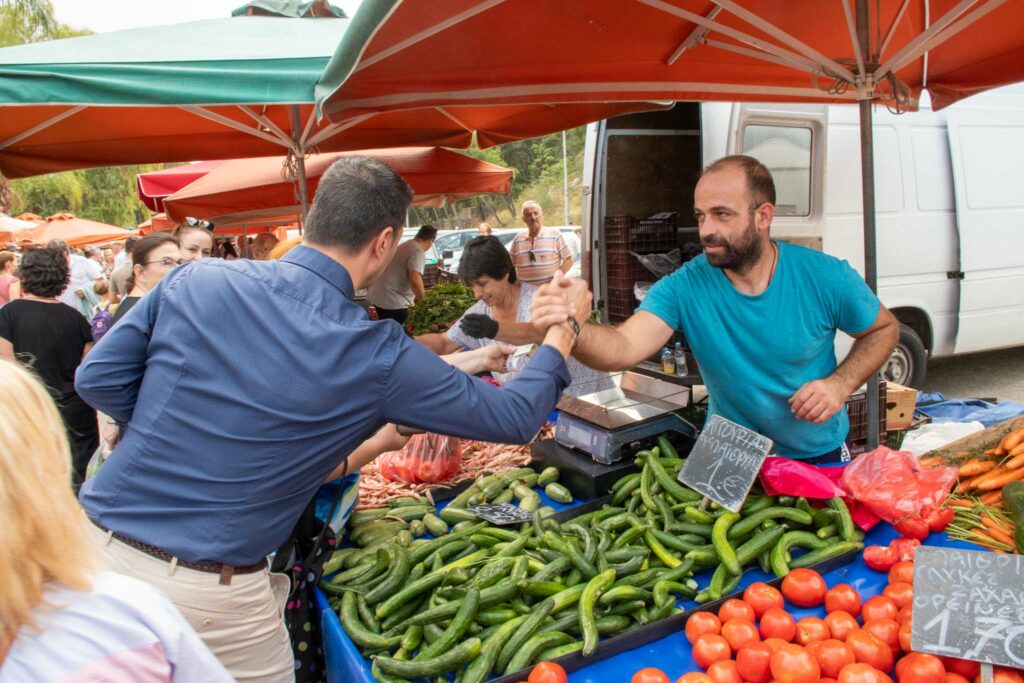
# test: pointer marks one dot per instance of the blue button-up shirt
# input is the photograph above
(243, 384)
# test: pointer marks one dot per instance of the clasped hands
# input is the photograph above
(559, 300)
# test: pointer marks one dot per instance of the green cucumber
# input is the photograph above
(398, 572)
(450, 660)
(558, 493)
(548, 476)
(456, 629)
(527, 654)
(360, 635)
(751, 522)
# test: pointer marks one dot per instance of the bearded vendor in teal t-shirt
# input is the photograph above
(761, 318)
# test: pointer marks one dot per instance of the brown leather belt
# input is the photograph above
(226, 571)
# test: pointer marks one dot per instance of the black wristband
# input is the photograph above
(574, 325)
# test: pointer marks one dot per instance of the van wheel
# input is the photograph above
(908, 363)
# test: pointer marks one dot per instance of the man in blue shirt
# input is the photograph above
(760, 316)
(219, 458)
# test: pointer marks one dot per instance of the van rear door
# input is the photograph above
(987, 151)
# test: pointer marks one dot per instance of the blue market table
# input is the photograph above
(672, 654)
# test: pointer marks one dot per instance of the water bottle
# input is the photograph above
(681, 369)
(668, 362)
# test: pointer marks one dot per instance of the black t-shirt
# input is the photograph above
(50, 338)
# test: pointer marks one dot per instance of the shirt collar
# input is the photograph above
(324, 266)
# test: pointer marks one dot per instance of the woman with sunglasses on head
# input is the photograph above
(63, 616)
(196, 243)
(153, 257)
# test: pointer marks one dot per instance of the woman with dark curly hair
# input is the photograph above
(51, 338)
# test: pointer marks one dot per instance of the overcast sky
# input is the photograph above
(101, 16)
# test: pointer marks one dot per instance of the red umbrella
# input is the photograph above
(249, 190)
(152, 187)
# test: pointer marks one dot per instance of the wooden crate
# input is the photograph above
(979, 441)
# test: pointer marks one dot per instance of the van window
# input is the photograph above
(786, 151)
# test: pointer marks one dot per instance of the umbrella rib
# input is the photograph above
(695, 35)
(858, 54)
(892, 28)
(937, 33)
(808, 64)
(273, 127)
(231, 123)
(334, 128)
(427, 33)
(773, 30)
(40, 127)
(454, 118)
(738, 49)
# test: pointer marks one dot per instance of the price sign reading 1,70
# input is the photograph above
(969, 605)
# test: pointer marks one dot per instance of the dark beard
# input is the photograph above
(739, 256)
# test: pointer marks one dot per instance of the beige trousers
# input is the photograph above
(242, 623)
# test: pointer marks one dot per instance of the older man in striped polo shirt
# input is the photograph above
(539, 252)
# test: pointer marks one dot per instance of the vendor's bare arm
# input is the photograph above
(416, 283)
(519, 333)
(819, 400)
(619, 348)
(438, 342)
(386, 439)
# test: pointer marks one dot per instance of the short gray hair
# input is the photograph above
(357, 198)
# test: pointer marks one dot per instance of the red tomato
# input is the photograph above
(753, 660)
(774, 643)
(694, 677)
(794, 664)
(904, 636)
(700, 623)
(762, 597)
(879, 607)
(710, 648)
(724, 671)
(879, 557)
(912, 526)
(649, 675)
(961, 666)
(886, 630)
(941, 519)
(858, 673)
(740, 632)
(547, 672)
(833, 655)
(918, 667)
(905, 614)
(841, 624)
(956, 678)
(778, 623)
(868, 649)
(735, 609)
(904, 548)
(902, 572)
(1003, 675)
(804, 587)
(843, 597)
(810, 630)
(900, 592)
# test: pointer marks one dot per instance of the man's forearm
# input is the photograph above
(416, 283)
(606, 348)
(364, 454)
(518, 334)
(566, 265)
(867, 355)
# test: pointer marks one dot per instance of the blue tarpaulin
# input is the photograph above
(967, 409)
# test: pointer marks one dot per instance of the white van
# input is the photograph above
(950, 203)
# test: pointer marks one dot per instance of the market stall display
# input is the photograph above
(439, 308)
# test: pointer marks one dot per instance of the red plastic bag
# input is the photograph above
(785, 477)
(425, 459)
(893, 485)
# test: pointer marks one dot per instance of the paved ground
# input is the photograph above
(995, 374)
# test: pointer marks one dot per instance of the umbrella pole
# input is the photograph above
(867, 172)
(299, 152)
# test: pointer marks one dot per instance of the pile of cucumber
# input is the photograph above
(478, 599)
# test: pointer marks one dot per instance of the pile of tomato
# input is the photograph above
(757, 640)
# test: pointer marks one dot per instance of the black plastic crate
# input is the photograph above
(857, 407)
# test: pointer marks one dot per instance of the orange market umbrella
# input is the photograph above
(76, 231)
(11, 228)
(253, 189)
(158, 222)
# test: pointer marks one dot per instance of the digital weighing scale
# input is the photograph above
(606, 423)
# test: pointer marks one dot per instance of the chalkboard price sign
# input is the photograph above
(502, 514)
(969, 605)
(725, 461)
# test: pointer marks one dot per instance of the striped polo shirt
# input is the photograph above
(549, 250)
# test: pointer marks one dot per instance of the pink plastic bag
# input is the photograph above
(785, 477)
(425, 459)
(892, 484)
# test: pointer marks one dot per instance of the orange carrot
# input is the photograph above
(975, 467)
(1017, 450)
(992, 451)
(959, 503)
(992, 497)
(1001, 536)
(982, 537)
(1012, 440)
(1016, 461)
(931, 462)
(1000, 480)
(993, 524)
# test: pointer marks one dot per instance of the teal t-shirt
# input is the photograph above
(755, 352)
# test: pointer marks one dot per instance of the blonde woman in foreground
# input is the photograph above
(61, 616)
